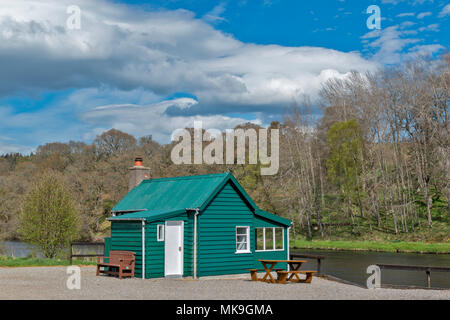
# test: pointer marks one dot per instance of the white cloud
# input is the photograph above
(424, 14)
(412, 2)
(269, 3)
(445, 11)
(140, 120)
(406, 14)
(432, 27)
(128, 60)
(390, 43)
(396, 43)
(161, 51)
(14, 148)
(7, 145)
(216, 14)
(425, 50)
(94, 110)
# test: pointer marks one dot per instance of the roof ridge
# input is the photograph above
(211, 175)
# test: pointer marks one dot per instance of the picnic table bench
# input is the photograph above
(121, 264)
(254, 273)
(282, 276)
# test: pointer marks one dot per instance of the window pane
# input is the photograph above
(160, 232)
(278, 238)
(241, 239)
(242, 246)
(269, 238)
(259, 238)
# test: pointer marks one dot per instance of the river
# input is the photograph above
(18, 249)
(21, 250)
(352, 265)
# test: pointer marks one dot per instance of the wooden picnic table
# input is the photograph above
(269, 265)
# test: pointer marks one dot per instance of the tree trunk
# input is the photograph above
(429, 203)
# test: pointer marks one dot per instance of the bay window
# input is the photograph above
(269, 239)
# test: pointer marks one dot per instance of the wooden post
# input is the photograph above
(428, 278)
(309, 256)
(318, 266)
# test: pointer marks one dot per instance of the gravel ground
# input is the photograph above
(50, 283)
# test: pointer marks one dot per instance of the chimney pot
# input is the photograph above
(138, 162)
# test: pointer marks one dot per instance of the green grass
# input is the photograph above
(394, 246)
(6, 261)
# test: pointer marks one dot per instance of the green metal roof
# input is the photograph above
(271, 216)
(170, 194)
(166, 197)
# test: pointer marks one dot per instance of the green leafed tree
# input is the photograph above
(345, 161)
(49, 216)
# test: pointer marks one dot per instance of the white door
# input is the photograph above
(173, 248)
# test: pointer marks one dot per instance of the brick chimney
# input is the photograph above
(138, 173)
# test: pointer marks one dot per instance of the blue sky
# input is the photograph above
(152, 67)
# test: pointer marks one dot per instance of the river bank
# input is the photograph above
(377, 246)
(6, 261)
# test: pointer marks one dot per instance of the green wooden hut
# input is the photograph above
(196, 226)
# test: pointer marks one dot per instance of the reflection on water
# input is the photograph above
(21, 250)
(18, 249)
(352, 266)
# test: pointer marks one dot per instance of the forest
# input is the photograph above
(369, 161)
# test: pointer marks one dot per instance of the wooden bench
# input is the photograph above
(282, 276)
(254, 273)
(121, 264)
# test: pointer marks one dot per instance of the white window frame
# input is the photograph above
(248, 250)
(158, 233)
(282, 239)
(273, 239)
(273, 235)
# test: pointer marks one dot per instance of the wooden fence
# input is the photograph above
(310, 256)
(415, 268)
(72, 255)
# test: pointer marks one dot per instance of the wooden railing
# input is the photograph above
(85, 255)
(415, 268)
(310, 256)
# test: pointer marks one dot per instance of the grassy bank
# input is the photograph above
(395, 246)
(6, 261)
